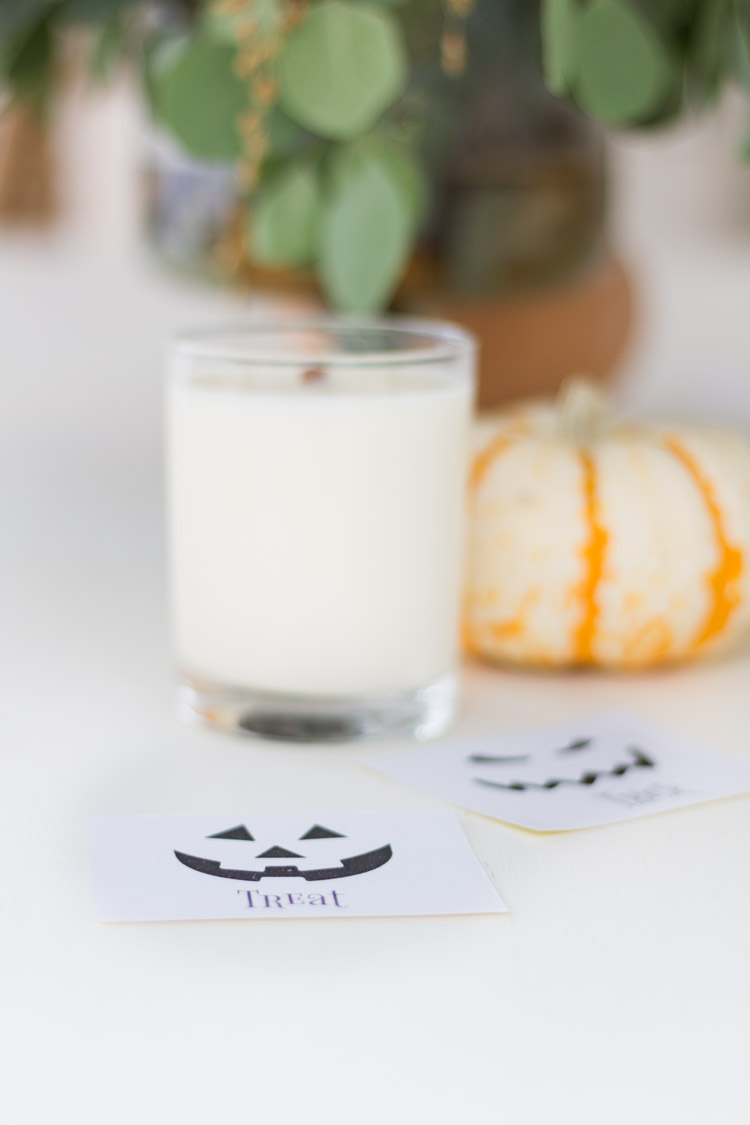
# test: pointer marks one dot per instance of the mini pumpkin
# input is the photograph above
(595, 543)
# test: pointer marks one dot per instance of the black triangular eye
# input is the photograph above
(317, 832)
(238, 833)
(494, 760)
(577, 744)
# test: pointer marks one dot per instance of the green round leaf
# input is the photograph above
(409, 177)
(397, 160)
(342, 66)
(623, 70)
(198, 98)
(284, 224)
(366, 236)
(285, 137)
(559, 26)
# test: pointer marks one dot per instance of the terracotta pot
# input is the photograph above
(529, 344)
(26, 168)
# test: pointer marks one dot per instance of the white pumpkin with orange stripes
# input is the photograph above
(592, 543)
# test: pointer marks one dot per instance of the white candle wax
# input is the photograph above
(316, 527)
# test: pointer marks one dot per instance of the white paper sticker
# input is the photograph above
(578, 774)
(285, 865)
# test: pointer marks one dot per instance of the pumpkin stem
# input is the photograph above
(582, 409)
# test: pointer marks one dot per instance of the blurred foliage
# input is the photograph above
(334, 109)
(641, 62)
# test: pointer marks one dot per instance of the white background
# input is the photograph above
(618, 988)
(616, 991)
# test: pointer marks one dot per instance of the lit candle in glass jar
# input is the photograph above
(316, 488)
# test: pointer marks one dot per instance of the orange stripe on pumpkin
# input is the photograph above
(594, 553)
(502, 629)
(723, 580)
(486, 459)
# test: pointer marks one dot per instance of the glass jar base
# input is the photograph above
(423, 713)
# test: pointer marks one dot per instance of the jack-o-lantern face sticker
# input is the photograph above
(578, 774)
(279, 865)
(280, 854)
(519, 773)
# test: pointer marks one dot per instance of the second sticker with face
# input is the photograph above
(581, 774)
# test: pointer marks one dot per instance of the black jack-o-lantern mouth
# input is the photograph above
(638, 760)
(351, 865)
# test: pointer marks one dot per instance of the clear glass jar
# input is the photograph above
(316, 502)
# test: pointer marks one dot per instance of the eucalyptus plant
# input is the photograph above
(314, 100)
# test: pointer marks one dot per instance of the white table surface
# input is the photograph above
(616, 991)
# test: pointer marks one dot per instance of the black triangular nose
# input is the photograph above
(278, 853)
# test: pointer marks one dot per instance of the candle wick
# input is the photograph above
(313, 375)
